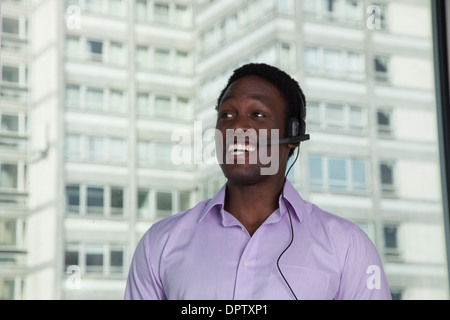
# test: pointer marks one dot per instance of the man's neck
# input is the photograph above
(253, 204)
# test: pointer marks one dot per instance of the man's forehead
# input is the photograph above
(252, 87)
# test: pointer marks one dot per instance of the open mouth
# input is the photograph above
(240, 149)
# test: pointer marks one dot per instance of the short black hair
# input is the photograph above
(289, 88)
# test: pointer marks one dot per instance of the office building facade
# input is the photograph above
(93, 92)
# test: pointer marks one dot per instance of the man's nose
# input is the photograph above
(242, 122)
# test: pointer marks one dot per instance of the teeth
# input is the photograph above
(240, 148)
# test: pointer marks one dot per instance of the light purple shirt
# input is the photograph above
(206, 254)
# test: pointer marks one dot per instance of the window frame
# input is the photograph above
(440, 11)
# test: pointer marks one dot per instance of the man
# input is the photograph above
(256, 238)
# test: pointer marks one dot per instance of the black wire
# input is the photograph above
(290, 221)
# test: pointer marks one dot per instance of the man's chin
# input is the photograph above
(243, 174)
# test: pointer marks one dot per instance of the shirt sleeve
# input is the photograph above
(142, 284)
(362, 276)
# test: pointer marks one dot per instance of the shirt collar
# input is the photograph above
(292, 197)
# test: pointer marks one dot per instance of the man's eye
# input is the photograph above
(258, 115)
(225, 115)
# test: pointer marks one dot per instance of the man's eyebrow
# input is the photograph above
(256, 97)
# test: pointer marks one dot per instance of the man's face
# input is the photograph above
(249, 105)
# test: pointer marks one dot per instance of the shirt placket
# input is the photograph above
(245, 276)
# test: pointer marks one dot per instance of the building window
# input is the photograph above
(9, 123)
(141, 10)
(158, 204)
(384, 123)
(73, 147)
(163, 107)
(94, 258)
(117, 8)
(163, 204)
(95, 201)
(116, 260)
(117, 54)
(8, 230)
(72, 98)
(163, 154)
(117, 201)
(161, 12)
(387, 179)
(116, 101)
(161, 59)
(338, 174)
(347, 12)
(117, 151)
(95, 149)
(334, 63)
(144, 210)
(336, 117)
(10, 26)
(94, 99)
(73, 47)
(182, 17)
(142, 57)
(95, 6)
(391, 246)
(95, 50)
(381, 69)
(143, 105)
(73, 199)
(8, 176)
(106, 100)
(7, 289)
(286, 7)
(71, 256)
(143, 153)
(11, 74)
(107, 260)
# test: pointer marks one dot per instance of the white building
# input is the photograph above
(106, 83)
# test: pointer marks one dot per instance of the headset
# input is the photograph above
(294, 137)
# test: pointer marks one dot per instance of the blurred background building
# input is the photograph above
(92, 91)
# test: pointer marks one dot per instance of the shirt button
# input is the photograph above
(246, 263)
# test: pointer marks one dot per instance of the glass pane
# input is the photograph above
(162, 59)
(143, 203)
(95, 50)
(116, 262)
(164, 202)
(71, 256)
(94, 99)
(359, 178)
(161, 12)
(163, 107)
(94, 200)
(10, 123)
(10, 74)
(10, 26)
(7, 233)
(95, 148)
(8, 176)
(73, 199)
(185, 201)
(117, 201)
(315, 172)
(72, 96)
(337, 174)
(94, 258)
